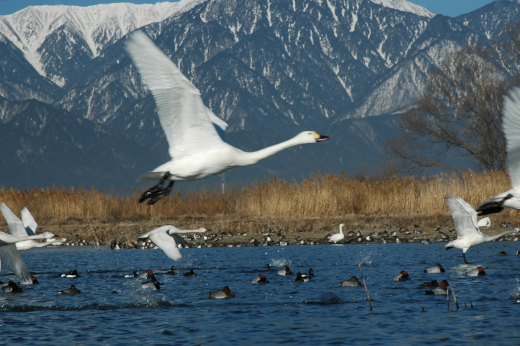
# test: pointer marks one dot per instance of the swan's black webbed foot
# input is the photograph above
(157, 192)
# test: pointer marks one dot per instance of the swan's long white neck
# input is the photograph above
(341, 228)
(250, 158)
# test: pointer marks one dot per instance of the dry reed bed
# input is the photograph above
(275, 203)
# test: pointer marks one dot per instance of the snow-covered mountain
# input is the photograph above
(75, 28)
(268, 68)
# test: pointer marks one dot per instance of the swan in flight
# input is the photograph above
(9, 256)
(511, 127)
(196, 149)
(338, 236)
(468, 232)
(22, 228)
(163, 237)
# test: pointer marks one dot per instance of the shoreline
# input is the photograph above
(246, 232)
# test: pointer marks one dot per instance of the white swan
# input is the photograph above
(338, 236)
(195, 147)
(9, 256)
(511, 127)
(468, 232)
(484, 222)
(21, 228)
(163, 237)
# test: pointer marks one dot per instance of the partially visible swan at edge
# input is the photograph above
(195, 147)
(163, 237)
(468, 232)
(27, 227)
(338, 236)
(9, 256)
(511, 127)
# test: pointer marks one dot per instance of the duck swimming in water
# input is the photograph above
(442, 289)
(300, 278)
(437, 269)
(429, 284)
(477, 272)
(283, 272)
(402, 276)
(71, 274)
(133, 275)
(260, 279)
(171, 271)
(71, 290)
(12, 287)
(222, 294)
(190, 273)
(352, 282)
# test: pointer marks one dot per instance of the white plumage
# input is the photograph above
(163, 237)
(196, 149)
(338, 236)
(511, 127)
(468, 232)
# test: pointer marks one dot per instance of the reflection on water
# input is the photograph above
(113, 309)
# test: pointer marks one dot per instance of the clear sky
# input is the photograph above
(447, 7)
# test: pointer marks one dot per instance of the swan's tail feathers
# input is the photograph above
(152, 176)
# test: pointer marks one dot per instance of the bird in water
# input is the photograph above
(511, 128)
(437, 269)
(402, 276)
(352, 282)
(133, 275)
(260, 279)
(12, 287)
(300, 278)
(222, 294)
(283, 272)
(468, 232)
(190, 273)
(195, 147)
(171, 271)
(338, 236)
(71, 274)
(429, 284)
(477, 272)
(70, 290)
(442, 289)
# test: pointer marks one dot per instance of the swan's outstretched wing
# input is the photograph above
(13, 222)
(28, 221)
(167, 244)
(464, 216)
(12, 260)
(184, 118)
(511, 126)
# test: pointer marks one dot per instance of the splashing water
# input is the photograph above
(280, 262)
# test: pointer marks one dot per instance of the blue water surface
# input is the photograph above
(116, 310)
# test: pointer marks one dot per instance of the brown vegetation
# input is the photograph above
(315, 206)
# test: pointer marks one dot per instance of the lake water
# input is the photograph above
(112, 309)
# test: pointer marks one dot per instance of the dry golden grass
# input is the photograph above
(317, 204)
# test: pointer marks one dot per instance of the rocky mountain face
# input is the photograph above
(269, 68)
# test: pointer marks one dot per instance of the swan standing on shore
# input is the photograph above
(466, 225)
(511, 127)
(338, 236)
(195, 147)
(163, 238)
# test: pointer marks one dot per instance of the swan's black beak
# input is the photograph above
(322, 138)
